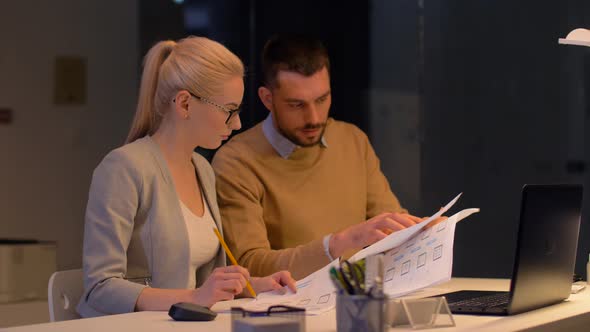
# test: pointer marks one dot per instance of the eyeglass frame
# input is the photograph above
(231, 113)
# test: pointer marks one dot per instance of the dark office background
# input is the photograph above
(499, 103)
(456, 96)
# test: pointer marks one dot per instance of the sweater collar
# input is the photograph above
(280, 143)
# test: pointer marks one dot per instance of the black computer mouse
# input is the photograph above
(185, 311)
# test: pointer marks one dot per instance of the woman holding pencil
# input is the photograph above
(152, 216)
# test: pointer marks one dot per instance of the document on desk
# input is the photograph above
(316, 293)
(397, 238)
(415, 258)
(424, 260)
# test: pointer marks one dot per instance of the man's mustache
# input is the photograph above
(314, 126)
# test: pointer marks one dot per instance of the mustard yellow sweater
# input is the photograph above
(276, 211)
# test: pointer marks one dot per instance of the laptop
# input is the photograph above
(545, 255)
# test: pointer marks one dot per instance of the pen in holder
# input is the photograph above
(360, 303)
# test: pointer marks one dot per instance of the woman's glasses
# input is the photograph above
(231, 113)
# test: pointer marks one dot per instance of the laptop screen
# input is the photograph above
(546, 246)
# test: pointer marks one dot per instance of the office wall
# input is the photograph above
(478, 97)
(48, 152)
(394, 96)
(496, 118)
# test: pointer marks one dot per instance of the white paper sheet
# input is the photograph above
(399, 237)
(426, 259)
(415, 258)
(316, 293)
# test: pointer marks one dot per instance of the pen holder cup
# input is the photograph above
(360, 313)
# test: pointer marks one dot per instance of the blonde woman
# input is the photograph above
(148, 235)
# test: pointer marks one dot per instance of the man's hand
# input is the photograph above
(370, 231)
(435, 221)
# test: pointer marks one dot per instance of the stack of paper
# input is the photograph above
(415, 258)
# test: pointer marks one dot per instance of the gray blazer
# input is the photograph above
(134, 229)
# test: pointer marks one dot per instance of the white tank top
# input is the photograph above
(203, 243)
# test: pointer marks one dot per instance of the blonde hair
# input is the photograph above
(198, 64)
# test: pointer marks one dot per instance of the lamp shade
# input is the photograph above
(580, 37)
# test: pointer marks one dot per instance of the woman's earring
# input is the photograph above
(186, 116)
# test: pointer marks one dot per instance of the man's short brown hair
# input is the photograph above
(292, 52)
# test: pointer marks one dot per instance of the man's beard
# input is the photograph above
(295, 140)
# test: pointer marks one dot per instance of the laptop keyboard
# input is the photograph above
(487, 301)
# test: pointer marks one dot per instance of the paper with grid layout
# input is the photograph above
(414, 258)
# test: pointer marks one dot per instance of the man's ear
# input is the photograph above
(265, 96)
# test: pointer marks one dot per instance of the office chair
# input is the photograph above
(64, 291)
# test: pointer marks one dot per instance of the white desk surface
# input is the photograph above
(570, 315)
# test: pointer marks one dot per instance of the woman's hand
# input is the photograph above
(272, 282)
(223, 284)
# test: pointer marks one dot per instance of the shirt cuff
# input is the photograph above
(327, 246)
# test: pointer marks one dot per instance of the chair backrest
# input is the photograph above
(64, 291)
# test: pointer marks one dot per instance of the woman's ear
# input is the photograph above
(181, 101)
